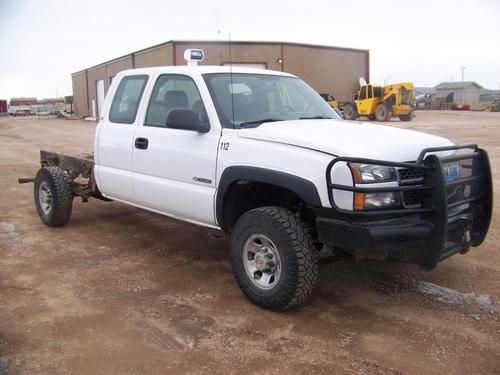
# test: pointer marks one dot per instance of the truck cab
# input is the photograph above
(260, 155)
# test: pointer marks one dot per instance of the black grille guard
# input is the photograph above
(459, 211)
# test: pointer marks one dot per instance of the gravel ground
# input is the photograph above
(120, 290)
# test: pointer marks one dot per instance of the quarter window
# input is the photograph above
(127, 98)
(173, 91)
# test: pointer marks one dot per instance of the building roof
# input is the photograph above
(205, 69)
(201, 42)
(424, 90)
(23, 99)
(457, 85)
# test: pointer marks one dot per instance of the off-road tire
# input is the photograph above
(299, 258)
(383, 112)
(350, 111)
(59, 185)
(407, 117)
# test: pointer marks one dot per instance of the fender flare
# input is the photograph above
(305, 189)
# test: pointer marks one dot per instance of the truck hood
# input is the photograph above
(347, 138)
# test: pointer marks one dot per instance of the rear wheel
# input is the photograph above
(53, 196)
(382, 112)
(407, 117)
(273, 258)
(350, 112)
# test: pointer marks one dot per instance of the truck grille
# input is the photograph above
(411, 176)
(406, 174)
(413, 198)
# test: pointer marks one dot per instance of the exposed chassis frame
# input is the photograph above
(76, 167)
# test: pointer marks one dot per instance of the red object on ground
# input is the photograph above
(463, 107)
(3, 106)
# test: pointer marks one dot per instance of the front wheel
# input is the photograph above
(273, 258)
(407, 117)
(383, 112)
(350, 112)
(53, 196)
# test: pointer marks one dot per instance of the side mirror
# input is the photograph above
(186, 119)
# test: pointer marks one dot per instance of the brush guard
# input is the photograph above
(454, 214)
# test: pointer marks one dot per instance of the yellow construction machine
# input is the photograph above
(330, 100)
(381, 103)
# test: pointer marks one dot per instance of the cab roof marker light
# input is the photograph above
(193, 56)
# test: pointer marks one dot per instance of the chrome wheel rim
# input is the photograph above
(262, 262)
(45, 197)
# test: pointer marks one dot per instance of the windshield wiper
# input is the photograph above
(258, 122)
(320, 117)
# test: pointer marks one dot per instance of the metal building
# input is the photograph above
(332, 70)
(467, 92)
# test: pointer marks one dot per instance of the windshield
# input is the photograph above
(248, 100)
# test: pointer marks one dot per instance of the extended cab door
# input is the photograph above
(174, 169)
(115, 138)
(363, 103)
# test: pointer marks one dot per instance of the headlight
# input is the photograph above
(375, 201)
(370, 173)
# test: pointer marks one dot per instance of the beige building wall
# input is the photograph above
(327, 70)
(114, 67)
(219, 54)
(80, 94)
(94, 75)
(155, 57)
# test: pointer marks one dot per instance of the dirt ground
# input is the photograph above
(120, 290)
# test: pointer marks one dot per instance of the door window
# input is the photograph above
(127, 98)
(173, 91)
(362, 94)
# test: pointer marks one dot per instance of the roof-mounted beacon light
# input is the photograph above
(193, 56)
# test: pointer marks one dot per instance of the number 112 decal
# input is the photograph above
(224, 146)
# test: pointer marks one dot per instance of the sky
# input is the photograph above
(42, 42)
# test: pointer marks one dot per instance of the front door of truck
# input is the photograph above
(115, 138)
(174, 169)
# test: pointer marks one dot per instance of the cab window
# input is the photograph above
(127, 98)
(377, 92)
(362, 94)
(173, 91)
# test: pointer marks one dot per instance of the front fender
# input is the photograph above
(305, 189)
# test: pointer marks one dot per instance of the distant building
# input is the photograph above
(467, 92)
(333, 70)
(33, 105)
(52, 101)
(3, 106)
(423, 91)
(17, 102)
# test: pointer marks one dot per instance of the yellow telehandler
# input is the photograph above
(381, 103)
(330, 100)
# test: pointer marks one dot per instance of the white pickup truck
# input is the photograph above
(261, 156)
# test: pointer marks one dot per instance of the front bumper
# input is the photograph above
(453, 215)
